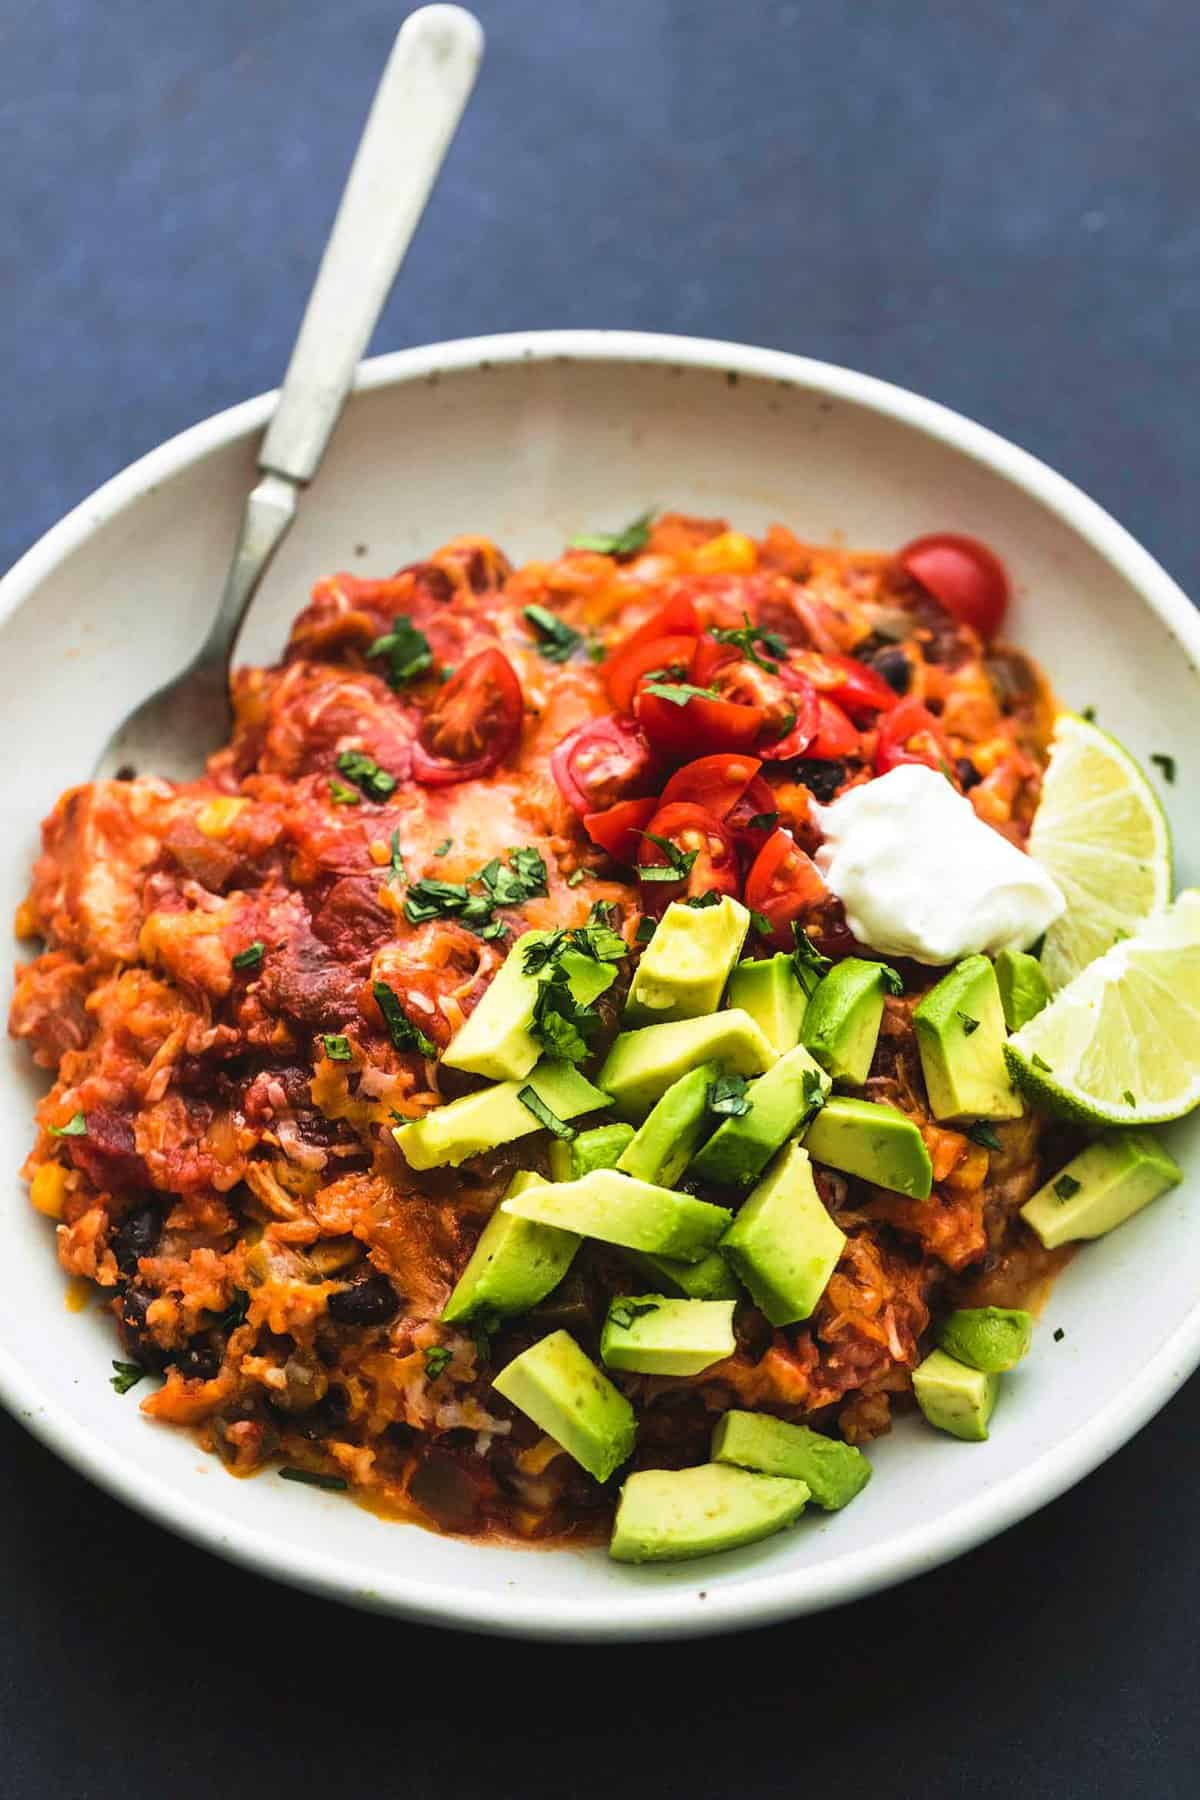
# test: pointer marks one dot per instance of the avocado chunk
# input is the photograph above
(497, 1040)
(874, 1141)
(709, 1279)
(616, 1209)
(783, 1244)
(777, 1104)
(667, 1515)
(771, 993)
(955, 1398)
(1023, 988)
(515, 1264)
(960, 1035)
(599, 1148)
(686, 964)
(991, 1338)
(561, 1390)
(666, 1139)
(1101, 1187)
(651, 1334)
(495, 1115)
(841, 1026)
(643, 1064)
(833, 1472)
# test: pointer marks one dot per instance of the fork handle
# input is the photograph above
(416, 110)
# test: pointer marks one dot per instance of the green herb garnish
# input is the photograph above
(396, 869)
(314, 1478)
(968, 1023)
(635, 537)
(235, 1313)
(400, 1028)
(982, 1133)
(699, 902)
(644, 930)
(807, 960)
(76, 1126)
(727, 1096)
(126, 1376)
(532, 1101)
(557, 641)
(251, 956)
(446, 845)
(679, 692)
(812, 1092)
(748, 638)
(763, 822)
(576, 876)
(893, 981)
(623, 1312)
(1066, 1187)
(1166, 763)
(759, 922)
(407, 651)
(677, 867)
(341, 795)
(366, 774)
(436, 1358)
(337, 1049)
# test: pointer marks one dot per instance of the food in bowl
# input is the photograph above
(575, 1063)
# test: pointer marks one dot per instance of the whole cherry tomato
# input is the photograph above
(911, 734)
(693, 833)
(474, 722)
(836, 736)
(967, 578)
(783, 885)
(854, 687)
(618, 829)
(716, 783)
(601, 762)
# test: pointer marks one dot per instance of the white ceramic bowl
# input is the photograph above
(531, 438)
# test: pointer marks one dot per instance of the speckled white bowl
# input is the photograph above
(531, 438)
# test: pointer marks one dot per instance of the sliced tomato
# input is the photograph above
(966, 577)
(623, 671)
(716, 783)
(714, 869)
(678, 729)
(806, 717)
(783, 885)
(708, 657)
(836, 736)
(618, 829)
(756, 804)
(601, 762)
(474, 722)
(857, 689)
(911, 734)
(677, 617)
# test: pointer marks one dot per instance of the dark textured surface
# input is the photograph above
(995, 204)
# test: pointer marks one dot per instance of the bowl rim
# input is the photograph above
(771, 1593)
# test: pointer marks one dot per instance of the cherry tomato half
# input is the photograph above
(677, 618)
(618, 829)
(716, 783)
(756, 804)
(474, 722)
(623, 671)
(967, 578)
(857, 689)
(603, 761)
(783, 885)
(714, 868)
(911, 734)
(681, 728)
(836, 736)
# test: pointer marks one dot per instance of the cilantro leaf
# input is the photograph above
(635, 537)
(807, 960)
(679, 692)
(341, 795)
(812, 1092)
(644, 930)
(533, 1102)
(76, 1126)
(366, 774)
(677, 866)
(893, 982)
(727, 1097)
(984, 1134)
(698, 902)
(429, 899)
(557, 641)
(251, 956)
(540, 955)
(407, 651)
(759, 922)
(127, 1376)
(763, 822)
(400, 1028)
(623, 1312)
(751, 641)
(436, 1358)
(396, 869)
(337, 1048)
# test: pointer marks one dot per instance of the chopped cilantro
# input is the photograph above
(445, 845)
(1059, 1334)
(635, 537)
(251, 956)
(497, 929)
(541, 954)
(623, 1312)
(759, 922)
(812, 1092)
(337, 1049)
(576, 876)
(341, 795)
(429, 899)
(763, 822)
(556, 640)
(407, 651)
(533, 1102)
(984, 1134)
(76, 1126)
(335, 1484)
(366, 774)
(483, 1328)
(644, 930)
(127, 1376)
(600, 942)
(893, 981)
(1066, 1187)
(677, 866)
(726, 1096)
(1166, 763)
(698, 902)
(679, 692)
(968, 1023)
(807, 960)
(524, 877)
(396, 869)
(605, 912)
(436, 1358)
(400, 1028)
(746, 637)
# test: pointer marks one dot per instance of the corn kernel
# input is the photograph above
(48, 1189)
(215, 818)
(25, 921)
(731, 553)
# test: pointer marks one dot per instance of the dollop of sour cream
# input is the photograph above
(921, 875)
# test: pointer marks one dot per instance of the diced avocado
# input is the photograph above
(666, 1140)
(495, 1115)
(686, 964)
(874, 1141)
(643, 1064)
(616, 1209)
(779, 1101)
(1023, 988)
(666, 1515)
(515, 1264)
(1101, 1187)
(559, 1388)
(991, 1338)
(841, 1026)
(650, 1334)
(960, 1034)
(783, 1244)
(599, 1148)
(709, 1279)
(770, 992)
(834, 1472)
(954, 1397)
(496, 1040)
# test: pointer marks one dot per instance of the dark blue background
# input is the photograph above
(993, 203)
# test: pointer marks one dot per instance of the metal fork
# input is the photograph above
(414, 115)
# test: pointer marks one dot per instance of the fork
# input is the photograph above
(413, 118)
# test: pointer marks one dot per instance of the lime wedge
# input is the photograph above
(1100, 831)
(1120, 1045)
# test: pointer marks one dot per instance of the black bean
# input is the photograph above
(136, 1236)
(895, 668)
(201, 1361)
(968, 774)
(371, 1301)
(821, 778)
(131, 1325)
